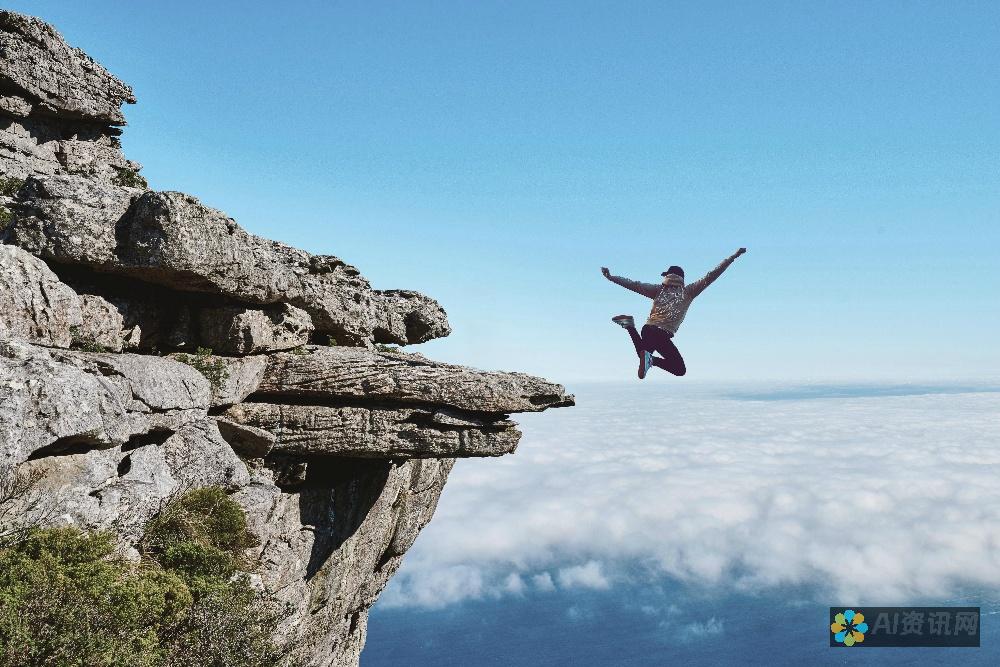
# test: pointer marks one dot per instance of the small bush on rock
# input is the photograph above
(206, 518)
(9, 186)
(68, 598)
(214, 370)
(84, 343)
(129, 178)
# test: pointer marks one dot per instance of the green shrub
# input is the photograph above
(9, 186)
(84, 343)
(206, 517)
(199, 564)
(214, 370)
(390, 349)
(129, 178)
(67, 597)
(228, 627)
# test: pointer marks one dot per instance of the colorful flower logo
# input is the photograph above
(849, 627)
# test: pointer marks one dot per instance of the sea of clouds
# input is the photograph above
(857, 495)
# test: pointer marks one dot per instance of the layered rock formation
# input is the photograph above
(149, 344)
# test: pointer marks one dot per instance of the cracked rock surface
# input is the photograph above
(149, 344)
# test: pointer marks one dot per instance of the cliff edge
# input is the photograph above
(149, 344)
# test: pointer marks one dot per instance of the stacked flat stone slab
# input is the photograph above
(350, 373)
(59, 107)
(110, 294)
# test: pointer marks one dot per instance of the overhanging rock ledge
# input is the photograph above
(336, 447)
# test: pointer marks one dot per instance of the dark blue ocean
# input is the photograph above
(637, 627)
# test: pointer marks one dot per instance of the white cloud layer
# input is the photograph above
(883, 499)
(588, 575)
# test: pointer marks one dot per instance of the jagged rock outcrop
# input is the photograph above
(149, 344)
(70, 219)
(404, 316)
(59, 107)
(57, 78)
(172, 240)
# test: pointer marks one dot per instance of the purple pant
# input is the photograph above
(655, 339)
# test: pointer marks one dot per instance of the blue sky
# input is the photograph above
(496, 155)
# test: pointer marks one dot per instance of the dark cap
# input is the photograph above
(676, 270)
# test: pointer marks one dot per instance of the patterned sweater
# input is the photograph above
(670, 304)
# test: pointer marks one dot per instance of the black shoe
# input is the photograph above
(624, 321)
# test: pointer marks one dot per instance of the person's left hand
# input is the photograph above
(740, 251)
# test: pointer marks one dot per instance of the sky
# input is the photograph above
(495, 155)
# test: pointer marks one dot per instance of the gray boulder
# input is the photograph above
(178, 242)
(103, 327)
(404, 317)
(181, 243)
(70, 219)
(148, 383)
(34, 304)
(242, 330)
(248, 441)
(240, 378)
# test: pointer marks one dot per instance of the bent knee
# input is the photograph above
(681, 371)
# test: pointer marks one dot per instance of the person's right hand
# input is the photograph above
(604, 270)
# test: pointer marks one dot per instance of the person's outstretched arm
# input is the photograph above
(645, 289)
(698, 286)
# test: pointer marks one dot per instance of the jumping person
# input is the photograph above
(671, 300)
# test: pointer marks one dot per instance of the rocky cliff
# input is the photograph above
(149, 344)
